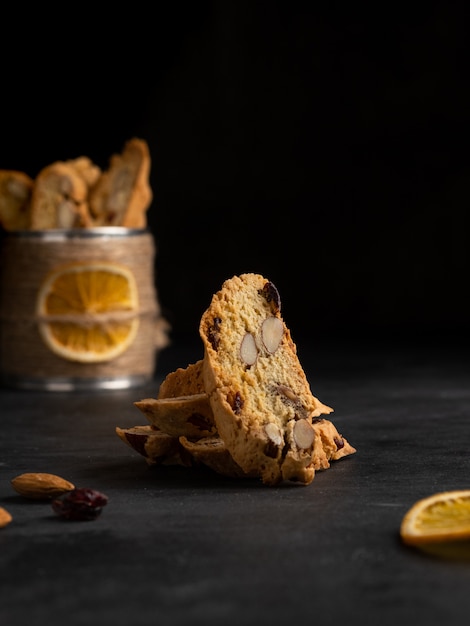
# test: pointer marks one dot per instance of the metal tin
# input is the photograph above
(27, 259)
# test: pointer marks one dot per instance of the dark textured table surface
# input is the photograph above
(185, 546)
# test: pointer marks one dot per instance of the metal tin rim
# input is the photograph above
(63, 234)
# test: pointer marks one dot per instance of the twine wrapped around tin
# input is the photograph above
(27, 259)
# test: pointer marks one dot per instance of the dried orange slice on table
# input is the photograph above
(439, 524)
(88, 312)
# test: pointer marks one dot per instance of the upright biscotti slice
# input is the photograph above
(122, 193)
(60, 198)
(84, 166)
(15, 196)
(262, 402)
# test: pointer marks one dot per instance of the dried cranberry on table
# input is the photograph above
(80, 504)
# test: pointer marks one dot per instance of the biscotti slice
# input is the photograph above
(84, 166)
(15, 196)
(59, 198)
(212, 452)
(122, 193)
(157, 447)
(262, 402)
(333, 445)
(183, 382)
(190, 416)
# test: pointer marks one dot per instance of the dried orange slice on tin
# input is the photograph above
(440, 518)
(88, 312)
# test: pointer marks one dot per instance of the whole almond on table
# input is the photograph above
(40, 485)
(5, 517)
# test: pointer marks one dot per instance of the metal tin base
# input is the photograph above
(75, 384)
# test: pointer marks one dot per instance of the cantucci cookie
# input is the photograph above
(89, 171)
(122, 193)
(183, 382)
(190, 416)
(331, 445)
(212, 452)
(262, 402)
(157, 447)
(60, 198)
(15, 195)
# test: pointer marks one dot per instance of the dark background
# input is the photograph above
(322, 145)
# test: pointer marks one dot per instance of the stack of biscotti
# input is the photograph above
(76, 193)
(246, 408)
